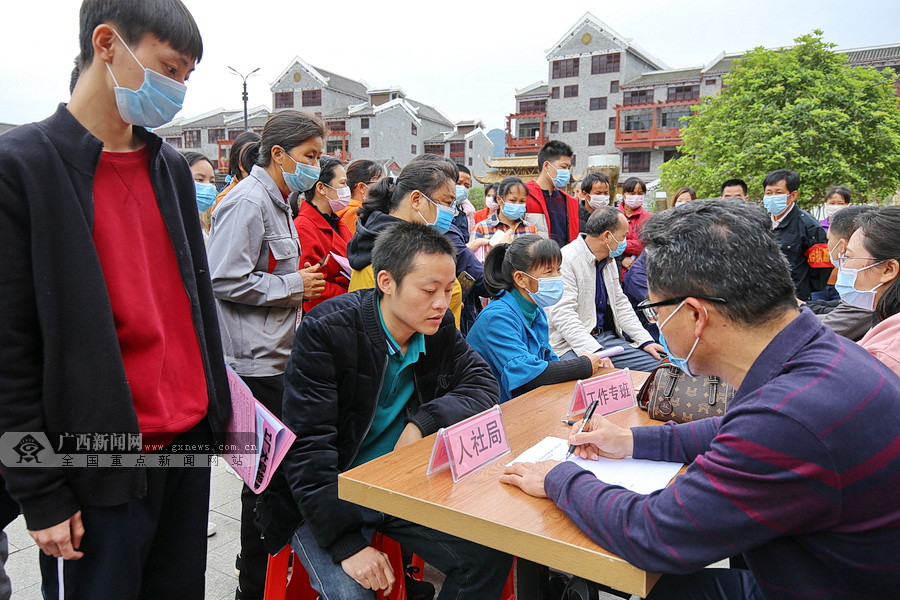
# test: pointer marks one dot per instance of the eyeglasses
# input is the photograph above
(649, 308)
(843, 258)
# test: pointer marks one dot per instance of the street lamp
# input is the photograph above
(244, 77)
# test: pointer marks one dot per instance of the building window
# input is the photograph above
(605, 63)
(192, 138)
(437, 149)
(334, 148)
(470, 161)
(412, 149)
(710, 82)
(638, 97)
(684, 92)
(638, 122)
(570, 91)
(312, 98)
(554, 126)
(554, 93)
(598, 103)
(614, 86)
(596, 139)
(570, 126)
(636, 162)
(457, 148)
(565, 68)
(413, 130)
(175, 142)
(612, 122)
(364, 142)
(214, 135)
(364, 123)
(533, 106)
(233, 133)
(670, 154)
(337, 125)
(471, 144)
(673, 119)
(284, 100)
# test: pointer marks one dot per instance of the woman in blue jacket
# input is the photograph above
(511, 334)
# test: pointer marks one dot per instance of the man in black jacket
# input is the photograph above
(108, 319)
(372, 371)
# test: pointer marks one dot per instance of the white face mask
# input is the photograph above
(832, 209)
(634, 200)
(599, 201)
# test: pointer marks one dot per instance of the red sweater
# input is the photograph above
(535, 204)
(317, 239)
(151, 308)
(633, 245)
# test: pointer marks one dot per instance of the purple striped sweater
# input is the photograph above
(801, 475)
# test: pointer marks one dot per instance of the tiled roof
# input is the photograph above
(428, 112)
(343, 84)
(655, 78)
(875, 54)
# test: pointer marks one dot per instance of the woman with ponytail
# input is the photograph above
(256, 277)
(869, 277)
(424, 192)
(511, 333)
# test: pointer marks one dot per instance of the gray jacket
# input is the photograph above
(254, 255)
(849, 321)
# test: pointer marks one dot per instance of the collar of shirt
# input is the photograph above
(777, 222)
(414, 348)
(786, 343)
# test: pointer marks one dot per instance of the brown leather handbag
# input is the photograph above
(670, 394)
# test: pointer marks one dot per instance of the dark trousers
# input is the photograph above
(148, 548)
(254, 558)
(708, 584)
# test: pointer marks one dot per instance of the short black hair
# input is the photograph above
(790, 179)
(362, 171)
(845, 222)
(169, 20)
(631, 184)
(587, 184)
(603, 219)
(508, 184)
(731, 182)
(193, 158)
(841, 190)
(747, 268)
(464, 169)
(398, 246)
(552, 150)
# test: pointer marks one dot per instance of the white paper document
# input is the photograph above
(636, 474)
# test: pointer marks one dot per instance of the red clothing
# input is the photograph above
(317, 239)
(481, 215)
(536, 205)
(633, 245)
(150, 306)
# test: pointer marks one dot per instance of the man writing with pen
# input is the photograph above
(799, 475)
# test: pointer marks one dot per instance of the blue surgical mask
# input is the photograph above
(513, 212)
(681, 363)
(461, 194)
(775, 204)
(206, 195)
(156, 102)
(549, 292)
(304, 176)
(620, 247)
(562, 177)
(228, 179)
(443, 219)
(846, 288)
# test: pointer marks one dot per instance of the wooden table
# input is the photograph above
(481, 509)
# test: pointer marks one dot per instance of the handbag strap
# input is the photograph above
(644, 394)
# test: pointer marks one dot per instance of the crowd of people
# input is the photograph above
(367, 311)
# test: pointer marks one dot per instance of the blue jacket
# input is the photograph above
(515, 352)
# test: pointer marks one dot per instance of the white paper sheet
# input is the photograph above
(636, 474)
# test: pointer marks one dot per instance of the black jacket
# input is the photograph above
(797, 233)
(332, 384)
(359, 249)
(61, 369)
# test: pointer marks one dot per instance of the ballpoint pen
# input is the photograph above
(587, 417)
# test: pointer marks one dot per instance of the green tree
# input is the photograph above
(799, 108)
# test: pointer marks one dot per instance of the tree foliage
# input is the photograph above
(799, 108)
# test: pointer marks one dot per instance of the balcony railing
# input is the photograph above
(528, 144)
(654, 136)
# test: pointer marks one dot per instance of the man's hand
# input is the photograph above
(410, 434)
(476, 243)
(598, 363)
(627, 262)
(313, 281)
(602, 438)
(529, 477)
(371, 569)
(654, 350)
(61, 540)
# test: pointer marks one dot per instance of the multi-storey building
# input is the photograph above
(636, 124)
(467, 145)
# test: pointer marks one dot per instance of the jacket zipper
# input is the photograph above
(372, 418)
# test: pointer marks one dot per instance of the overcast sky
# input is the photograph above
(464, 57)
